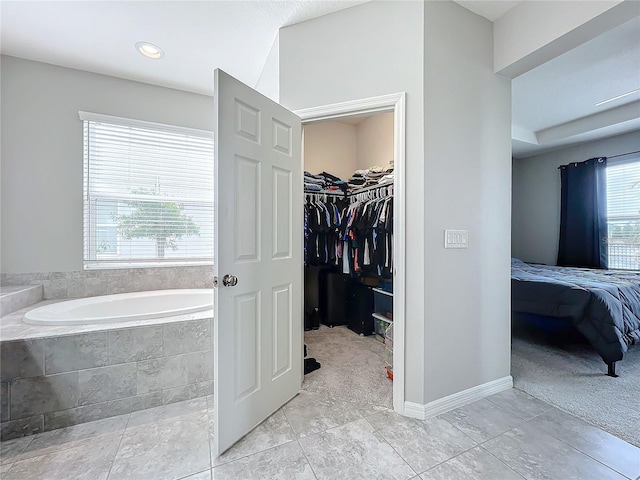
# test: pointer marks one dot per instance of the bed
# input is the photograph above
(604, 305)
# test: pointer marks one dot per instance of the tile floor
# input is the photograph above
(509, 435)
(327, 433)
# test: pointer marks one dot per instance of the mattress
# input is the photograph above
(604, 305)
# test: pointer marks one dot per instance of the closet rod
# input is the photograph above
(371, 187)
(325, 192)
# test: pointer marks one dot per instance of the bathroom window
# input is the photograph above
(106, 227)
(148, 193)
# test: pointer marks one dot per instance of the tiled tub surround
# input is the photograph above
(54, 377)
(13, 298)
(90, 283)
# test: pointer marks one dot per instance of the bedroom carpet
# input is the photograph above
(352, 367)
(565, 371)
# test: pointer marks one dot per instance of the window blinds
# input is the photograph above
(148, 193)
(623, 213)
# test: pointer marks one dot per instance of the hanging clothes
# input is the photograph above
(368, 232)
(354, 233)
(323, 221)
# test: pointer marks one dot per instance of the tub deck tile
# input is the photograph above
(12, 327)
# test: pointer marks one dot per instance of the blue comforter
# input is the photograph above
(604, 305)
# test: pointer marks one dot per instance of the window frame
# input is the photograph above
(635, 159)
(90, 200)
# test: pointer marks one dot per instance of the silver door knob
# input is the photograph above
(229, 280)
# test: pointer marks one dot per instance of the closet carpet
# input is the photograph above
(566, 372)
(352, 367)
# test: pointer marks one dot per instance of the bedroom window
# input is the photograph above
(623, 213)
(148, 194)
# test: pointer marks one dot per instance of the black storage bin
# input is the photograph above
(333, 298)
(360, 308)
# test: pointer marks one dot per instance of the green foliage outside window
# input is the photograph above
(163, 221)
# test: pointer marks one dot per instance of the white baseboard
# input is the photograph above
(442, 405)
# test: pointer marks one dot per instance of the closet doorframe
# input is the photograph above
(395, 103)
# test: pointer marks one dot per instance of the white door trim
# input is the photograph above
(393, 102)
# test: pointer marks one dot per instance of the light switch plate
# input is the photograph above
(456, 238)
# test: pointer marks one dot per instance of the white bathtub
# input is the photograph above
(123, 307)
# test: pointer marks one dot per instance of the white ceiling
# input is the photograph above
(552, 104)
(489, 9)
(196, 36)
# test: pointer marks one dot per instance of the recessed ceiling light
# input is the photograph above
(149, 50)
(617, 97)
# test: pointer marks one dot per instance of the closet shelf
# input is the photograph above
(382, 317)
(384, 292)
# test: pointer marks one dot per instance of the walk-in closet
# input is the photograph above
(348, 257)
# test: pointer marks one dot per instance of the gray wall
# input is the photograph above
(365, 51)
(458, 170)
(268, 82)
(536, 195)
(41, 198)
(467, 185)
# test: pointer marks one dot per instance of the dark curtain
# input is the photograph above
(583, 214)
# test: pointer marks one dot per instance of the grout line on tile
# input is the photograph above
(297, 440)
(186, 477)
(119, 446)
(59, 447)
(304, 454)
(24, 449)
(580, 451)
(501, 461)
(253, 453)
(503, 433)
(10, 466)
(392, 448)
(480, 442)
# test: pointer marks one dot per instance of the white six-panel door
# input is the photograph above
(258, 243)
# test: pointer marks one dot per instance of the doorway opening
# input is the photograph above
(356, 282)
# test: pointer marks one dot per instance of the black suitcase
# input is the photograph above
(333, 298)
(311, 298)
(359, 309)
